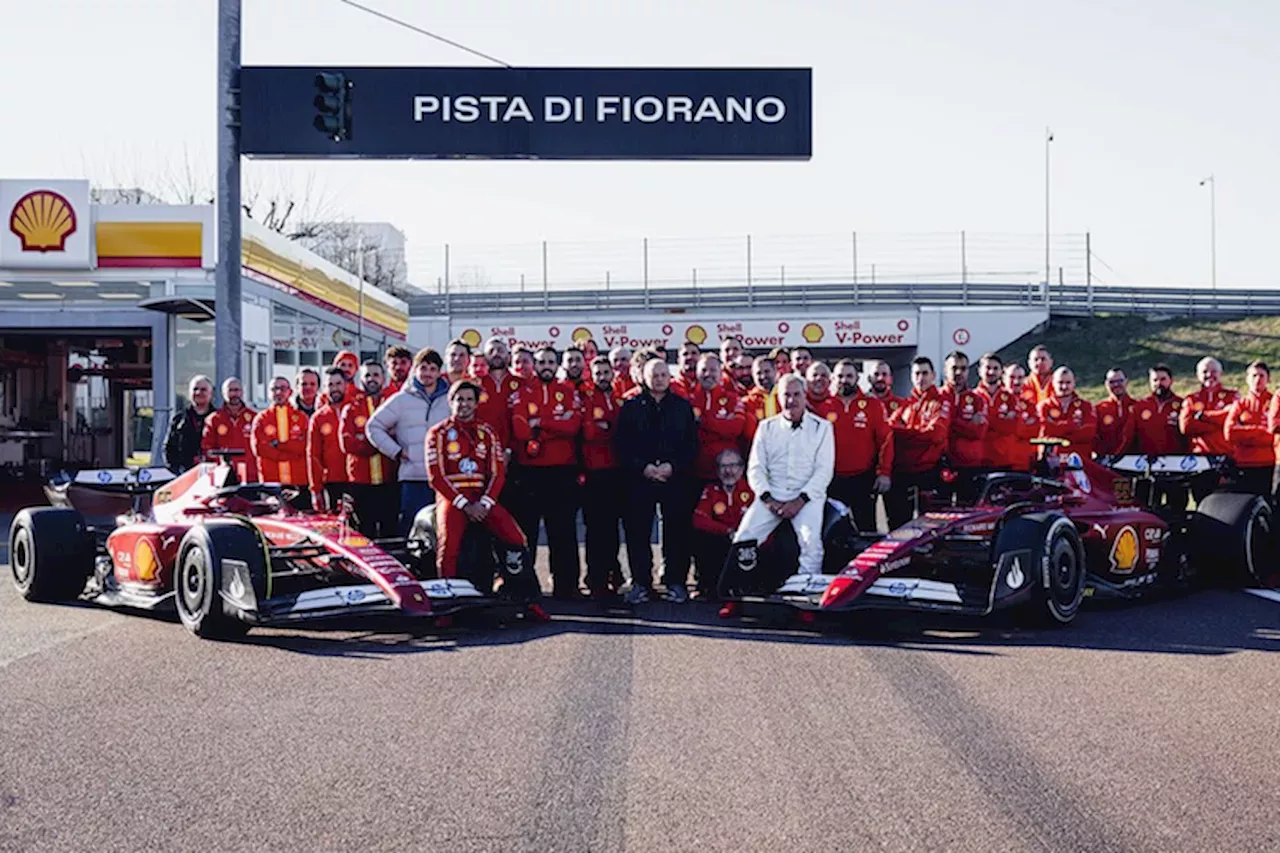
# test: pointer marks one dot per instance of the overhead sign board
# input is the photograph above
(853, 330)
(527, 113)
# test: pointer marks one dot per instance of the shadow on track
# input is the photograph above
(1207, 623)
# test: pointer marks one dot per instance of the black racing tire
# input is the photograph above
(51, 554)
(1235, 540)
(197, 578)
(1057, 572)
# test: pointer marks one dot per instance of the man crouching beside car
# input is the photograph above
(466, 466)
(791, 464)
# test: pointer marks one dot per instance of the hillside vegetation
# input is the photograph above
(1091, 346)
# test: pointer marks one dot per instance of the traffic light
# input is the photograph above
(333, 102)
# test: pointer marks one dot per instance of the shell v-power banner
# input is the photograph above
(527, 113)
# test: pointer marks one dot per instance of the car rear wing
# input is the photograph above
(1178, 464)
(124, 479)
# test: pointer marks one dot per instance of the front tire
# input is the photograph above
(1057, 572)
(197, 579)
(50, 554)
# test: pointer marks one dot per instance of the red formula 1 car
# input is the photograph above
(1038, 542)
(228, 556)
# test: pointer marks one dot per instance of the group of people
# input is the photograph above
(722, 448)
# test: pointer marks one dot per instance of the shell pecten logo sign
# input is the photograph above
(812, 333)
(43, 220)
(696, 334)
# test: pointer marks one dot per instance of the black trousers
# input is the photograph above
(376, 507)
(673, 497)
(1173, 497)
(602, 506)
(709, 553)
(898, 503)
(856, 492)
(549, 494)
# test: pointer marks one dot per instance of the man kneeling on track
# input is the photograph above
(791, 464)
(466, 466)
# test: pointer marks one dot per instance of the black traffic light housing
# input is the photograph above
(333, 103)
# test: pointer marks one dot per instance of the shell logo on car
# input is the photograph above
(43, 220)
(1124, 553)
(145, 560)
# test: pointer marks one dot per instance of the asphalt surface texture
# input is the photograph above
(1153, 727)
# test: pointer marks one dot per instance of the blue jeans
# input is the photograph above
(414, 495)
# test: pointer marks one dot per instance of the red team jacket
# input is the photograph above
(719, 511)
(557, 406)
(968, 439)
(599, 418)
(921, 429)
(465, 461)
(1249, 430)
(722, 421)
(758, 404)
(224, 432)
(326, 463)
(1203, 420)
(1155, 425)
(1076, 421)
(1013, 423)
(494, 407)
(365, 465)
(862, 434)
(1115, 426)
(286, 462)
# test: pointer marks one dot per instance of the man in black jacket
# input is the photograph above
(182, 445)
(656, 442)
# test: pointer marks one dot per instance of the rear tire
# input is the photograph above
(51, 553)
(197, 578)
(1234, 536)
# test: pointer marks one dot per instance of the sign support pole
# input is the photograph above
(228, 340)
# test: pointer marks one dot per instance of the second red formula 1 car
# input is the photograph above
(1041, 543)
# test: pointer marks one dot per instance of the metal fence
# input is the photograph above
(1062, 299)
(696, 264)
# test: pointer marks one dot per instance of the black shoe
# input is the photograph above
(574, 594)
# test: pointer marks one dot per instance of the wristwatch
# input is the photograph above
(804, 499)
(766, 497)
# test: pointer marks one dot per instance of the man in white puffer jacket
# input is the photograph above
(792, 461)
(398, 429)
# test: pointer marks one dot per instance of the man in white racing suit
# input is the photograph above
(791, 464)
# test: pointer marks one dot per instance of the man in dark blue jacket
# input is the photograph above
(656, 441)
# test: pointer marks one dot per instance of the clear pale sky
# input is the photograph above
(929, 117)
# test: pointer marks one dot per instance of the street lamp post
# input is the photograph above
(1048, 139)
(1213, 230)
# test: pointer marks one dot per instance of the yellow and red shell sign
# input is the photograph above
(43, 220)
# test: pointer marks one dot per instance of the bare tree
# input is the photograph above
(302, 211)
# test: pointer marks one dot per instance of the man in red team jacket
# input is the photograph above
(1063, 414)
(969, 424)
(230, 427)
(326, 463)
(1013, 424)
(922, 428)
(1203, 417)
(546, 417)
(686, 379)
(864, 443)
(1155, 423)
(279, 440)
(721, 417)
(1115, 417)
(1251, 426)
(716, 518)
(602, 490)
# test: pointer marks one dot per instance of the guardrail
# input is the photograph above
(1065, 299)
